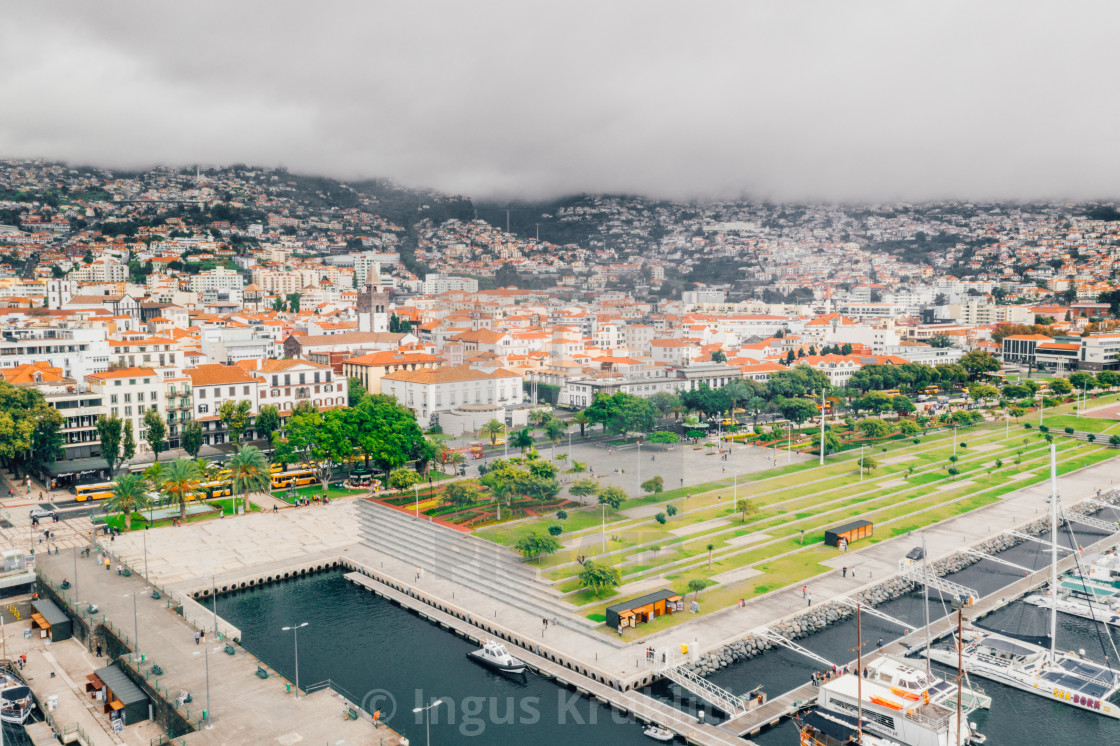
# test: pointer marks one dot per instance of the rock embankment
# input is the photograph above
(817, 618)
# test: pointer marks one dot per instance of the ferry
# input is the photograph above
(903, 677)
(494, 655)
(826, 729)
(889, 712)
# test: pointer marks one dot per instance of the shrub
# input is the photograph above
(1114, 440)
(1092, 437)
(671, 510)
(963, 444)
(1027, 425)
(562, 515)
(661, 518)
(555, 529)
(1043, 429)
(1069, 431)
(954, 471)
(917, 441)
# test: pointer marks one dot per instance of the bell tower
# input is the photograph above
(373, 304)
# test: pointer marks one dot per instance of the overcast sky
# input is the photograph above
(789, 100)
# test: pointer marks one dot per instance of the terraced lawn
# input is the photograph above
(1082, 424)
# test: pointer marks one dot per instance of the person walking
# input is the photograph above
(804, 591)
(880, 644)
(845, 571)
(98, 650)
(197, 637)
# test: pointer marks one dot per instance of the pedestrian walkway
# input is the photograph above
(243, 707)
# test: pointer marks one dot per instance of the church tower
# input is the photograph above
(373, 304)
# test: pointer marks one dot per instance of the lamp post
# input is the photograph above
(604, 528)
(146, 576)
(214, 581)
(861, 463)
(295, 641)
(1041, 404)
(569, 448)
(427, 726)
(416, 489)
(135, 620)
(954, 440)
(505, 442)
(639, 464)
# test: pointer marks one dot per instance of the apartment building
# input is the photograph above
(128, 393)
(78, 352)
(213, 384)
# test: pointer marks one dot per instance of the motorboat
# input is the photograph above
(494, 655)
(659, 734)
(16, 701)
(914, 683)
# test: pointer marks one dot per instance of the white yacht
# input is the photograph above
(901, 675)
(1063, 677)
(16, 702)
(494, 655)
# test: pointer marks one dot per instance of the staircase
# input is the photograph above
(715, 696)
(472, 563)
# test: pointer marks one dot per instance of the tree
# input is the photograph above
(267, 422)
(663, 437)
(555, 529)
(249, 472)
(130, 494)
(583, 420)
(584, 487)
(612, 496)
(1108, 379)
(327, 438)
(875, 401)
(979, 361)
(653, 486)
(873, 428)
(622, 412)
(180, 479)
(797, 410)
(661, 518)
(666, 403)
(598, 578)
(522, 439)
(746, 508)
(719, 356)
(555, 431)
(902, 405)
(355, 391)
(109, 433)
(695, 586)
(1082, 380)
(1114, 440)
(383, 430)
(940, 341)
(190, 438)
(534, 544)
(832, 442)
(403, 478)
(492, 429)
(283, 451)
(128, 442)
(1060, 387)
(980, 391)
(462, 494)
(427, 451)
(235, 417)
(909, 428)
(868, 464)
(671, 510)
(155, 432)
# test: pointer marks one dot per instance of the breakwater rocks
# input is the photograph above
(816, 618)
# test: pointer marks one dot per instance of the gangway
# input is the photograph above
(876, 613)
(666, 664)
(914, 572)
(785, 642)
(1040, 540)
(1102, 504)
(716, 696)
(999, 560)
(1109, 526)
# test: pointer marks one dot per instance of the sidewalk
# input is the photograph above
(244, 708)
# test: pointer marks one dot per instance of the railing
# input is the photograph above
(706, 690)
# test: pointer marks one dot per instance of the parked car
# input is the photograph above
(46, 510)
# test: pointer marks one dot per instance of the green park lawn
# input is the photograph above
(312, 490)
(1082, 424)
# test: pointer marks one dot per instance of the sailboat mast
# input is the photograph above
(1053, 549)
(925, 591)
(859, 673)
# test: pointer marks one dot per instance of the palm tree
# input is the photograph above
(522, 439)
(154, 475)
(492, 430)
(737, 391)
(249, 472)
(180, 479)
(129, 495)
(581, 419)
(554, 430)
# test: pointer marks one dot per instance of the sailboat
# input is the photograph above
(1067, 678)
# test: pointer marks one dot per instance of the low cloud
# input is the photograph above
(789, 101)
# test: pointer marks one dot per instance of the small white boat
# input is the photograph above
(16, 702)
(659, 734)
(494, 655)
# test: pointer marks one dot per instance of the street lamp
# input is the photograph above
(416, 489)
(861, 463)
(135, 620)
(604, 528)
(427, 726)
(295, 641)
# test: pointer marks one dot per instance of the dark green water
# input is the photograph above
(378, 653)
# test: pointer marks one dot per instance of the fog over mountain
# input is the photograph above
(790, 101)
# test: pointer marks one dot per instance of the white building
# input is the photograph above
(286, 383)
(213, 384)
(128, 393)
(434, 284)
(218, 278)
(78, 352)
(1100, 352)
(433, 393)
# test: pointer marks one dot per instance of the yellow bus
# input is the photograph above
(293, 478)
(931, 390)
(100, 491)
(892, 392)
(218, 488)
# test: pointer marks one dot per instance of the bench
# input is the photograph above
(261, 672)
(155, 670)
(350, 713)
(230, 649)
